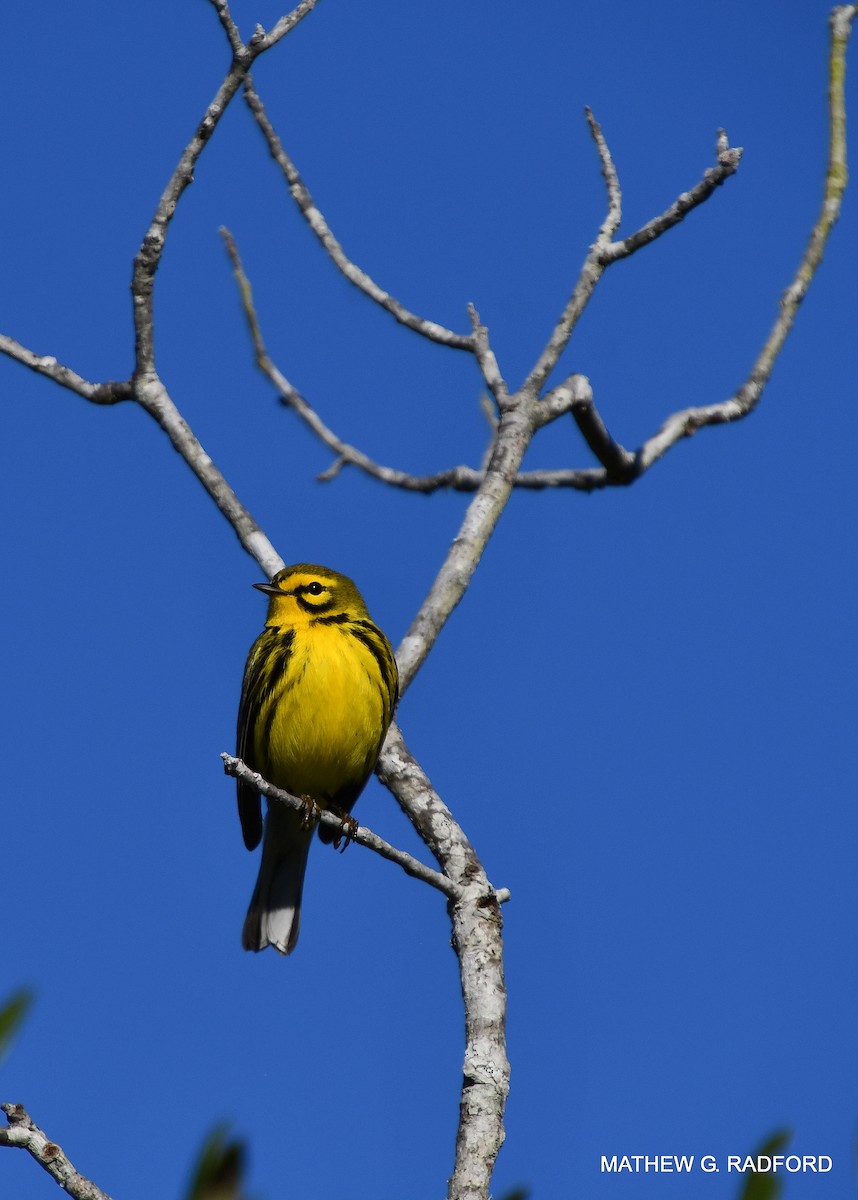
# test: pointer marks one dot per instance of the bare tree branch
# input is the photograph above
(488, 364)
(149, 391)
(361, 835)
(149, 255)
(621, 466)
(745, 399)
(22, 1133)
(145, 385)
(616, 460)
(221, 7)
(264, 41)
(514, 432)
(457, 478)
(605, 251)
(319, 226)
(154, 398)
(478, 944)
(111, 392)
(261, 41)
(727, 165)
(614, 215)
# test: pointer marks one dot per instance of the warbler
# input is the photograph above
(319, 690)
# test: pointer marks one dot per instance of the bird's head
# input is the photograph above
(306, 590)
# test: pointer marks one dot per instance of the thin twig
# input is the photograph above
(614, 215)
(289, 394)
(457, 478)
(284, 25)
(487, 362)
(111, 392)
(361, 835)
(148, 257)
(591, 270)
(727, 165)
(261, 41)
(25, 1135)
(320, 227)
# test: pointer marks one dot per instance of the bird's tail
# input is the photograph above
(274, 916)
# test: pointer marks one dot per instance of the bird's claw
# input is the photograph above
(310, 812)
(349, 829)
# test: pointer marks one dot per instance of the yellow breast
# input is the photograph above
(321, 733)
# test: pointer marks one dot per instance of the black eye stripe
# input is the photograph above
(313, 597)
(310, 589)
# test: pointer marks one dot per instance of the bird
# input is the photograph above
(320, 686)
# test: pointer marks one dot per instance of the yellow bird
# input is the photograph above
(319, 691)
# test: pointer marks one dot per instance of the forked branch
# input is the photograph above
(744, 400)
(606, 251)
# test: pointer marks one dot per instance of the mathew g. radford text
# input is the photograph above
(764, 1164)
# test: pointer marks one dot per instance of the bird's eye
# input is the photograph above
(315, 589)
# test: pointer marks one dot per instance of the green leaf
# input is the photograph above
(219, 1171)
(759, 1186)
(11, 1015)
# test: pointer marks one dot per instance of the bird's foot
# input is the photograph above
(350, 828)
(310, 812)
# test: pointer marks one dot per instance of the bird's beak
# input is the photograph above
(270, 589)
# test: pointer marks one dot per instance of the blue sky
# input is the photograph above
(643, 713)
